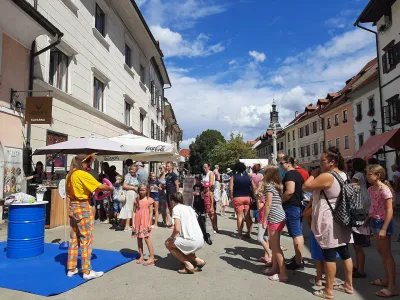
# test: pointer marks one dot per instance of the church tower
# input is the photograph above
(274, 118)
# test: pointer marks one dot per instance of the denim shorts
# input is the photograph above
(155, 196)
(117, 206)
(293, 220)
(376, 226)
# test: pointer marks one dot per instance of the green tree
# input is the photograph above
(202, 148)
(227, 154)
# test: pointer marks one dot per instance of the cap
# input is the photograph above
(206, 184)
(139, 163)
(228, 170)
(89, 158)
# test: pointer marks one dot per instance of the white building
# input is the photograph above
(365, 101)
(107, 75)
(385, 15)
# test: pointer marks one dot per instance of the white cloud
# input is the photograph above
(173, 44)
(259, 57)
(186, 143)
(244, 104)
(278, 80)
(232, 62)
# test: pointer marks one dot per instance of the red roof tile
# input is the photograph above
(251, 143)
(184, 152)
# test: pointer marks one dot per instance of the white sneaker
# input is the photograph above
(92, 275)
(72, 273)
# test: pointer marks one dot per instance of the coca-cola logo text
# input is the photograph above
(159, 148)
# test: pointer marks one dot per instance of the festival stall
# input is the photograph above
(251, 162)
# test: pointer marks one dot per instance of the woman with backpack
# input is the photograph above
(332, 237)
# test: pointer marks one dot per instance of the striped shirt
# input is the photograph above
(276, 214)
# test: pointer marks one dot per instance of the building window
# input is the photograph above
(152, 129)
(346, 142)
(128, 61)
(358, 112)
(142, 123)
(281, 145)
(338, 143)
(392, 111)
(390, 58)
(301, 130)
(293, 135)
(336, 119)
(301, 151)
(371, 105)
(329, 143)
(307, 130)
(142, 74)
(98, 94)
(314, 126)
(128, 113)
(345, 116)
(360, 139)
(158, 133)
(288, 136)
(100, 20)
(308, 150)
(321, 124)
(58, 76)
(294, 152)
(315, 150)
(328, 125)
(153, 92)
(288, 152)
(322, 146)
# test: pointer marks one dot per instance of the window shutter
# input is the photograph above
(384, 63)
(396, 108)
(152, 129)
(396, 53)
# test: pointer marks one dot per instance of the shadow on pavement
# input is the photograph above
(126, 252)
(168, 263)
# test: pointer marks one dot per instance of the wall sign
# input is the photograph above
(13, 173)
(38, 110)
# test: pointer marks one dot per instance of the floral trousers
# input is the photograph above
(82, 224)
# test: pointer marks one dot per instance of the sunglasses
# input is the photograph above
(283, 162)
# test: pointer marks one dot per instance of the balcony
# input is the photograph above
(336, 123)
(345, 120)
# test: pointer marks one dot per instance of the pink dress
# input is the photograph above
(142, 218)
(327, 232)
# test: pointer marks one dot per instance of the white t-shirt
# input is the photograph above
(190, 228)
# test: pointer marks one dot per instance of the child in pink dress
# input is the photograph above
(142, 220)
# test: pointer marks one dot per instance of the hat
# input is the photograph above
(139, 164)
(228, 170)
(89, 158)
(206, 184)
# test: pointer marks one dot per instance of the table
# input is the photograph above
(26, 224)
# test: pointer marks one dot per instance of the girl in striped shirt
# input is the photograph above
(274, 215)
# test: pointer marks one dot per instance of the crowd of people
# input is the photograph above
(273, 197)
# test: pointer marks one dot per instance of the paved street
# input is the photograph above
(231, 272)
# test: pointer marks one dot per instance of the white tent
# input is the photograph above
(252, 162)
(143, 149)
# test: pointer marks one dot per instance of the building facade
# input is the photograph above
(385, 16)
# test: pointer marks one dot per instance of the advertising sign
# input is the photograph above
(13, 174)
(38, 110)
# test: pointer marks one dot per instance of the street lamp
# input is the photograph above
(374, 123)
(130, 130)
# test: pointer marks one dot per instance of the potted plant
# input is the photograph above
(358, 118)
(40, 190)
(371, 112)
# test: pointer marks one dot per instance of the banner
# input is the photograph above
(188, 184)
(13, 174)
(38, 110)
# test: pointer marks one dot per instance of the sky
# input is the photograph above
(228, 59)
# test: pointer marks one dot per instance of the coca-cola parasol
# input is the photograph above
(143, 149)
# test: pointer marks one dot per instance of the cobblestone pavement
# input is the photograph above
(231, 271)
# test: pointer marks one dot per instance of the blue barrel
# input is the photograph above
(26, 224)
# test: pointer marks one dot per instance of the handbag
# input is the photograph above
(121, 196)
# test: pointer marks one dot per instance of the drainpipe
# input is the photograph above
(380, 82)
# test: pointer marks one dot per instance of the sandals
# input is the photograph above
(341, 288)
(186, 271)
(264, 260)
(283, 248)
(198, 268)
(385, 293)
(378, 282)
(321, 294)
(275, 277)
(358, 274)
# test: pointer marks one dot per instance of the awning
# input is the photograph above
(376, 142)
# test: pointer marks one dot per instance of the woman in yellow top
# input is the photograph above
(79, 186)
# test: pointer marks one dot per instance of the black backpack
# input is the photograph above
(349, 211)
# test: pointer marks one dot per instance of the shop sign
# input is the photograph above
(38, 110)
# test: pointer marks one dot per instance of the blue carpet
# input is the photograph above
(45, 275)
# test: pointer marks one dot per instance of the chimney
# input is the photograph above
(296, 114)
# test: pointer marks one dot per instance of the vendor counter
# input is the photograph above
(54, 208)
